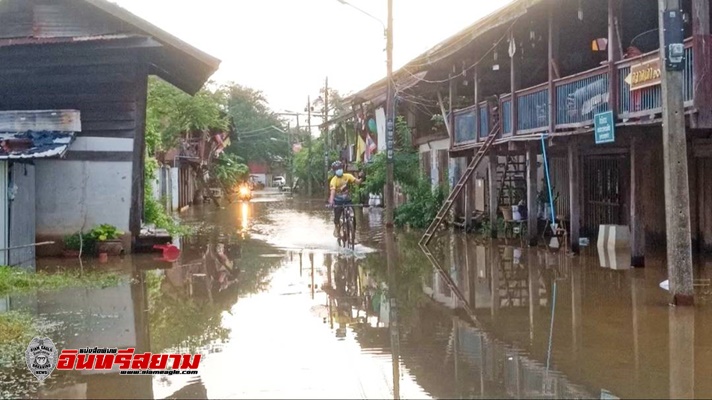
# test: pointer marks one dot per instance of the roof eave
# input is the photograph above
(204, 66)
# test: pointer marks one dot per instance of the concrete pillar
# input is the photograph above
(682, 352)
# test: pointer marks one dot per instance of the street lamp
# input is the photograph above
(390, 111)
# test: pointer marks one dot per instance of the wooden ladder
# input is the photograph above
(455, 193)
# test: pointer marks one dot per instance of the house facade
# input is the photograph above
(93, 57)
(547, 69)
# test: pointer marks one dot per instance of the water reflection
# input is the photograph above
(549, 325)
(494, 319)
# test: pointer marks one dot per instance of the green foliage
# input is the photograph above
(422, 206)
(154, 212)
(75, 242)
(253, 120)
(105, 232)
(230, 171)
(14, 280)
(312, 168)
(171, 113)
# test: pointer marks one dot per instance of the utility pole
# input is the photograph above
(309, 144)
(390, 123)
(288, 159)
(677, 193)
(327, 142)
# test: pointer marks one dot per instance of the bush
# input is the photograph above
(105, 232)
(77, 241)
(422, 206)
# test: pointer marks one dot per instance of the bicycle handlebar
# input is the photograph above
(346, 205)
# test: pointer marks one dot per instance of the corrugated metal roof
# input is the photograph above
(27, 41)
(32, 145)
(448, 47)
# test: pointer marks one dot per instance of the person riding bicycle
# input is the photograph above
(340, 191)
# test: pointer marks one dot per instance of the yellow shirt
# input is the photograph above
(341, 184)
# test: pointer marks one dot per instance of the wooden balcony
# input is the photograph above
(576, 99)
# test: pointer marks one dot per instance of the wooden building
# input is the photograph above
(547, 68)
(94, 57)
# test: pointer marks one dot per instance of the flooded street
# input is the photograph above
(278, 310)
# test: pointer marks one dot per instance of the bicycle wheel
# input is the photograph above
(352, 232)
(344, 238)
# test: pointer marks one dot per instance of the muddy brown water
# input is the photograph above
(278, 310)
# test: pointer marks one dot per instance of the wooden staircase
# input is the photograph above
(511, 176)
(457, 190)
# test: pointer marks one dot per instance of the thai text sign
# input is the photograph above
(646, 74)
(604, 127)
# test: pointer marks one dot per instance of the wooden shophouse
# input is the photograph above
(547, 68)
(93, 57)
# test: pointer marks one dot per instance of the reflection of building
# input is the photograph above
(110, 317)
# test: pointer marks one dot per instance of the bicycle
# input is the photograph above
(347, 237)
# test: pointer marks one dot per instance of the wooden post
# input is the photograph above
(492, 177)
(534, 301)
(677, 191)
(637, 215)
(553, 56)
(532, 231)
(614, 52)
(574, 199)
(513, 84)
(702, 62)
(468, 200)
(139, 155)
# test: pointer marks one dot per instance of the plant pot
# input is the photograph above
(112, 247)
(70, 253)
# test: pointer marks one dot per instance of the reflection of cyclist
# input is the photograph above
(340, 191)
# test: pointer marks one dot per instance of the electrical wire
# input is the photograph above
(494, 47)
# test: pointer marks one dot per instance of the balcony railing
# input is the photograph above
(533, 109)
(580, 97)
(465, 125)
(506, 109)
(649, 100)
(484, 125)
(577, 99)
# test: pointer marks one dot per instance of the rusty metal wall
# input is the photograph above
(22, 216)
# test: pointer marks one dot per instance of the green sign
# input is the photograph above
(604, 127)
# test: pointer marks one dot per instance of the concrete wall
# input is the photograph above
(174, 189)
(433, 148)
(69, 191)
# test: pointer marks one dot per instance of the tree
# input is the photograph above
(261, 135)
(170, 113)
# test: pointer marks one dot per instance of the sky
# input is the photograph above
(286, 48)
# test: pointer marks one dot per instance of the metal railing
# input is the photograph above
(465, 125)
(533, 108)
(580, 97)
(506, 107)
(484, 125)
(649, 100)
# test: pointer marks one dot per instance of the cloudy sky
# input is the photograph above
(287, 47)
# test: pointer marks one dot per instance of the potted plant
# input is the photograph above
(108, 239)
(72, 245)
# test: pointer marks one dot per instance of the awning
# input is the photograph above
(33, 145)
(28, 135)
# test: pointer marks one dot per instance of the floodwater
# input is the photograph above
(278, 310)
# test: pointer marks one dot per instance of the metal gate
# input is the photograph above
(603, 194)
